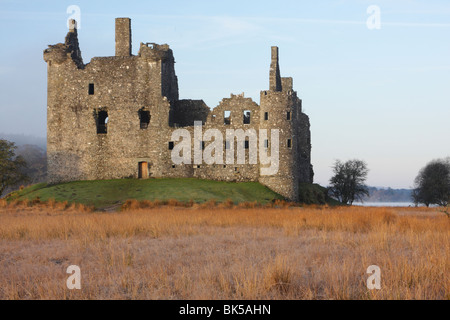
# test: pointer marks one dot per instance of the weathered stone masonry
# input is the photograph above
(113, 118)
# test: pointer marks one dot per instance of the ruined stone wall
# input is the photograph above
(236, 105)
(185, 112)
(221, 169)
(306, 173)
(139, 94)
(121, 87)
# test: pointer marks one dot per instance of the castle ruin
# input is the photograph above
(113, 118)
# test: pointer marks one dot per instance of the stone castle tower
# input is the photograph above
(115, 117)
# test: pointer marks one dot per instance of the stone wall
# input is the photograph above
(186, 112)
(114, 116)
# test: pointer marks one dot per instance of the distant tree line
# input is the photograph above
(388, 195)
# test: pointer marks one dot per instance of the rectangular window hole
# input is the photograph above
(227, 117)
(247, 114)
(102, 122)
(144, 117)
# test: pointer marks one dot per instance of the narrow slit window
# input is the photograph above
(266, 143)
(289, 143)
(171, 145)
(247, 116)
(227, 117)
(266, 116)
(288, 115)
(91, 89)
(246, 144)
(102, 122)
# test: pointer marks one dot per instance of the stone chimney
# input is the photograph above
(275, 78)
(123, 37)
(72, 25)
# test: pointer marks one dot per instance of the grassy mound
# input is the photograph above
(107, 193)
(315, 194)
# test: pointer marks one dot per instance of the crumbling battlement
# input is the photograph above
(114, 118)
(69, 50)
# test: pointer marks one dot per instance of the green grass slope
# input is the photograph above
(315, 194)
(106, 193)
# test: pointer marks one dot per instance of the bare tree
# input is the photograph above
(347, 183)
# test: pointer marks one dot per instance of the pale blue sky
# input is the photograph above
(377, 95)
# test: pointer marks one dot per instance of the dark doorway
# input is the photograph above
(143, 170)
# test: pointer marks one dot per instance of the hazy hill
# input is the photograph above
(388, 195)
(22, 139)
(36, 159)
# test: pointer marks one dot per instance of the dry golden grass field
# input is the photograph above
(222, 252)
